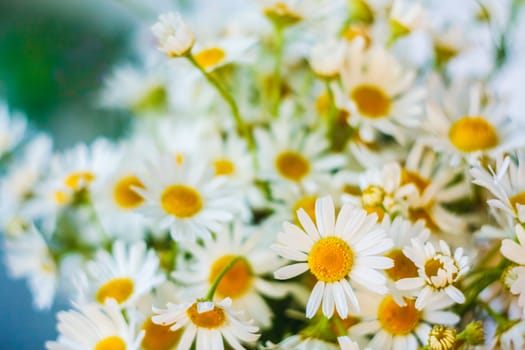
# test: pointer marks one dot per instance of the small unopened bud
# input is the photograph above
(474, 334)
(373, 196)
(442, 338)
(174, 36)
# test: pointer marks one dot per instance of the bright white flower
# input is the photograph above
(289, 12)
(378, 93)
(401, 327)
(222, 52)
(515, 252)
(28, 256)
(338, 253)
(506, 182)
(95, 326)
(128, 273)
(244, 282)
(208, 322)
(183, 195)
(405, 17)
(12, 129)
(326, 59)
(174, 36)
(290, 154)
(438, 271)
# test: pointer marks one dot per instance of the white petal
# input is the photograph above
(315, 299)
(324, 215)
(290, 271)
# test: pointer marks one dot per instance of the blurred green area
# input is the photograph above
(54, 55)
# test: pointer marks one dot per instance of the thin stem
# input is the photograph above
(241, 126)
(276, 81)
(332, 113)
(211, 291)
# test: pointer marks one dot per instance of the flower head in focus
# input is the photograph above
(174, 36)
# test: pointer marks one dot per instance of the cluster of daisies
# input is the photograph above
(297, 174)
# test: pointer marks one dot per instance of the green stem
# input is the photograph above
(228, 98)
(211, 291)
(332, 112)
(276, 81)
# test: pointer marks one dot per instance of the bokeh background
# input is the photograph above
(54, 55)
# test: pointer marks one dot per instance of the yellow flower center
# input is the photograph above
(223, 167)
(472, 133)
(154, 99)
(371, 101)
(373, 196)
(210, 57)
(124, 195)
(355, 31)
(517, 199)
(80, 179)
(442, 338)
(111, 343)
(322, 104)
(236, 281)
(416, 214)
(281, 14)
(158, 337)
(403, 266)
(181, 201)
(410, 177)
(395, 319)
(212, 319)
(119, 288)
(432, 266)
(330, 259)
(60, 197)
(308, 204)
(292, 165)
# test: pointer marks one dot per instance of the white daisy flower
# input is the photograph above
(338, 253)
(401, 327)
(28, 256)
(290, 154)
(208, 322)
(506, 182)
(462, 127)
(438, 271)
(515, 252)
(378, 93)
(12, 129)
(174, 36)
(244, 282)
(223, 51)
(126, 274)
(95, 326)
(186, 198)
(289, 12)
(405, 17)
(326, 59)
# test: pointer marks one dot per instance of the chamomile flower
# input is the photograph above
(506, 182)
(94, 326)
(289, 154)
(28, 256)
(244, 283)
(289, 12)
(187, 198)
(401, 327)
(222, 52)
(338, 253)
(466, 131)
(326, 59)
(12, 129)
(379, 94)
(405, 17)
(129, 272)
(515, 253)
(439, 270)
(174, 36)
(208, 322)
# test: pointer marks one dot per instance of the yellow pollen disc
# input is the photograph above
(373, 196)
(281, 14)
(322, 104)
(80, 179)
(395, 319)
(212, 319)
(111, 343)
(292, 165)
(158, 337)
(371, 101)
(223, 167)
(181, 201)
(210, 57)
(355, 31)
(410, 177)
(308, 204)
(422, 214)
(517, 199)
(403, 266)
(119, 289)
(330, 259)
(60, 197)
(472, 133)
(236, 281)
(124, 195)
(432, 267)
(179, 158)
(154, 98)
